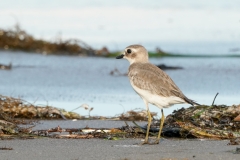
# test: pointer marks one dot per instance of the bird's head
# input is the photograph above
(135, 53)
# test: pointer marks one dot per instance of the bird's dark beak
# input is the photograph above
(120, 56)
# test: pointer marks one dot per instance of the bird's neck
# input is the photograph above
(139, 60)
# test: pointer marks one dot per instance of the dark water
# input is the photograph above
(68, 82)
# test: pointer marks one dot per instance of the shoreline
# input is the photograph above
(126, 148)
(17, 39)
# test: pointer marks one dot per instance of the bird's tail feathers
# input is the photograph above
(192, 102)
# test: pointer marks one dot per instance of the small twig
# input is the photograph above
(6, 148)
(214, 99)
(126, 123)
(210, 108)
(61, 114)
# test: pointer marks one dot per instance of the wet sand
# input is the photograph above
(77, 149)
(74, 149)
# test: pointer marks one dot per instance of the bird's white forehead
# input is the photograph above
(135, 48)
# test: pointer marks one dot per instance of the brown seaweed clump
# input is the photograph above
(18, 39)
(17, 108)
(14, 110)
(212, 122)
(216, 122)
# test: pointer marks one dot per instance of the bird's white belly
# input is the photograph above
(157, 100)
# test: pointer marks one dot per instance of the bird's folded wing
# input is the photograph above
(154, 80)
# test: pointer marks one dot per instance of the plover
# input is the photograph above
(152, 84)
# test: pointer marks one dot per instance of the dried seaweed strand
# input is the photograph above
(214, 99)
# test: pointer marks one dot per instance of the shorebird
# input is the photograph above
(152, 84)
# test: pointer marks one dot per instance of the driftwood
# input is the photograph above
(6, 148)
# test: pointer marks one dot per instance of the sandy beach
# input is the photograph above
(129, 149)
(60, 61)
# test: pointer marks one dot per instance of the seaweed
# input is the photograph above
(17, 39)
(211, 122)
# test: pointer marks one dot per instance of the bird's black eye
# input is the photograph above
(129, 51)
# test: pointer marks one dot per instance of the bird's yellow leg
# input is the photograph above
(148, 127)
(160, 129)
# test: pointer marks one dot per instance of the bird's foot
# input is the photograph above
(147, 142)
(144, 142)
(156, 141)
